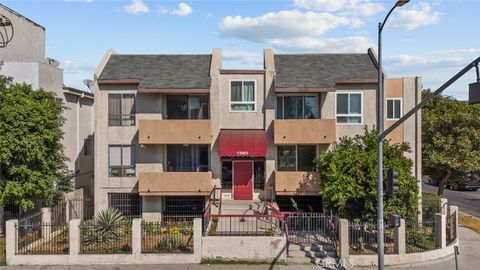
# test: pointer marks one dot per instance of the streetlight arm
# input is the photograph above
(424, 102)
(386, 18)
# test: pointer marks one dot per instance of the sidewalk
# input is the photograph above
(469, 258)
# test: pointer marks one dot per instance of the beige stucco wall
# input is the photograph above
(28, 43)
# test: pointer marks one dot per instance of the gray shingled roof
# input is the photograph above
(321, 70)
(160, 71)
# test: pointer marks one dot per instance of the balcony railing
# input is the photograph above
(304, 131)
(175, 183)
(297, 183)
(184, 131)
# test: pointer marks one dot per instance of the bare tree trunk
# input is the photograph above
(443, 182)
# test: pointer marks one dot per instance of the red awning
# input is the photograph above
(242, 143)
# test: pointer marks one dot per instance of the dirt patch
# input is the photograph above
(469, 221)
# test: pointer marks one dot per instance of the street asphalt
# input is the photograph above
(467, 201)
(469, 259)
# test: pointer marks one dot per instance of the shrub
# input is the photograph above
(169, 243)
(106, 228)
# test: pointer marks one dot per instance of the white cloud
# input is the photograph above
(354, 7)
(295, 30)
(182, 10)
(136, 7)
(420, 14)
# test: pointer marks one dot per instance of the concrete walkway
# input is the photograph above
(469, 258)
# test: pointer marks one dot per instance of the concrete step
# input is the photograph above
(327, 262)
(320, 254)
(313, 247)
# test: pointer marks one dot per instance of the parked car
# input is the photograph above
(469, 181)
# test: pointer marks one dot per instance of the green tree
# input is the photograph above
(32, 162)
(450, 138)
(348, 176)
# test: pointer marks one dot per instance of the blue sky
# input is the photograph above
(431, 39)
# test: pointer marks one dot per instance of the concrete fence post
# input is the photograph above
(11, 236)
(67, 211)
(440, 230)
(197, 238)
(343, 239)
(443, 206)
(74, 237)
(137, 236)
(46, 213)
(399, 238)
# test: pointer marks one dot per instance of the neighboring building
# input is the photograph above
(24, 60)
(170, 127)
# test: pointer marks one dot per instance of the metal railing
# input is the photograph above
(41, 238)
(167, 238)
(362, 238)
(245, 225)
(105, 239)
(420, 237)
(451, 230)
(312, 228)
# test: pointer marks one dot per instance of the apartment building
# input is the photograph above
(24, 60)
(168, 128)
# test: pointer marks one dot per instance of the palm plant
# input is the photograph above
(107, 227)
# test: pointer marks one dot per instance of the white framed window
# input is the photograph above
(349, 108)
(242, 96)
(394, 108)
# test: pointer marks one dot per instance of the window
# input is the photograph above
(394, 108)
(88, 146)
(121, 160)
(242, 96)
(121, 109)
(187, 107)
(259, 174)
(296, 157)
(130, 204)
(297, 107)
(349, 108)
(184, 204)
(187, 158)
(227, 174)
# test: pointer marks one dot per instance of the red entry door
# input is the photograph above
(242, 180)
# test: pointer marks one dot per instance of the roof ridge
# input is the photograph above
(21, 16)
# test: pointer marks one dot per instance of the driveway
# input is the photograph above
(467, 201)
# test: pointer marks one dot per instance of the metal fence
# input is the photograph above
(451, 226)
(244, 225)
(362, 238)
(41, 238)
(167, 238)
(420, 237)
(105, 239)
(312, 228)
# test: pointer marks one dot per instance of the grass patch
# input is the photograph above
(244, 262)
(469, 222)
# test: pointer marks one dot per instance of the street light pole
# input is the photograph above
(380, 127)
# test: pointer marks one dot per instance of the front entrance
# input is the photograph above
(242, 180)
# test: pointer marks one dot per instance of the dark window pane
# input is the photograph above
(306, 155)
(198, 107)
(227, 174)
(130, 204)
(310, 107)
(279, 107)
(177, 107)
(398, 107)
(187, 158)
(114, 109)
(286, 157)
(259, 174)
(389, 109)
(355, 104)
(342, 103)
(293, 107)
(236, 91)
(184, 204)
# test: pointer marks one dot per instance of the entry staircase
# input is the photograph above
(305, 246)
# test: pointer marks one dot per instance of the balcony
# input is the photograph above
(174, 131)
(175, 183)
(304, 131)
(297, 183)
